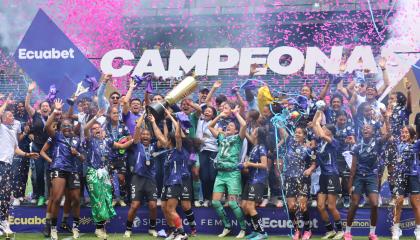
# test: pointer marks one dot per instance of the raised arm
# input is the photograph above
(178, 133)
(28, 107)
(137, 132)
(178, 136)
(126, 100)
(325, 90)
(196, 107)
(102, 101)
(215, 132)
(92, 121)
(156, 130)
(317, 127)
(382, 64)
(58, 106)
(408, 87)
(242, 122)
(213, 89)
(241, 103)
(4, 106)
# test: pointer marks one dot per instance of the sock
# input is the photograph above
(53, 223)
(396, 225)
(152, 224)
(129, 226)
(190, 217)
(248, 220)
(171, 230)
(65, 217)
(372, 229)
(100, 225)
(238, 213)
(76, 222)
(217, 205)
(329, 227)
(178, 222)
(256, 222)
(338, 225)
(48, 219)
(306, 221)
(180, 230)
(348, 229)
(417, 227)
(292, 216)
(198, 194)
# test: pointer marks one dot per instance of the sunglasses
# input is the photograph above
(66, 126)
(115, 97)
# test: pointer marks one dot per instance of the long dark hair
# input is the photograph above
(411, 131)
(262, 136)
(192, 145)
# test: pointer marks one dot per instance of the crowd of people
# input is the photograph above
(218, 151)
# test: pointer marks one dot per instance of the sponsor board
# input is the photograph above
(275, 221)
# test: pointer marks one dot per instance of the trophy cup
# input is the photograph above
(80, 90)
(183, 89)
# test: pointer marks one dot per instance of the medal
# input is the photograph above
(147, 162)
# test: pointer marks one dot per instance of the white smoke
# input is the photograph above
(405, 37)
(15, 18)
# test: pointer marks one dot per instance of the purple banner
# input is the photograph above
(48, 56)
(31, 219)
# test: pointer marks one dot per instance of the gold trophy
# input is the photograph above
(183, 89)
(80, 90)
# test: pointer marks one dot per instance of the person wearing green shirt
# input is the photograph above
(228, 173)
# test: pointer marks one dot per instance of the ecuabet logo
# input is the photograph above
(52, 53)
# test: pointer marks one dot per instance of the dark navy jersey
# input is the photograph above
(367, 154)
(297, 159)
(145, 163)
(331, 116)
(173, 167)
(341, 135)
(61, 152)
(362, 121)
(257, 175)
(327, 156)
(116, 134)
(408, 157)
(398, 119)
(189, 160)
(98, 152)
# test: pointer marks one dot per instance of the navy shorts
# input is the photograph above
(365, 184)
(413, 185)
(172, 191)
(329, 184)
(143, 188)
(72, 178)
(253, 192)
(186, 193)
(297, 186)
